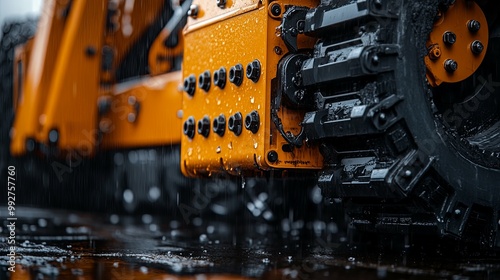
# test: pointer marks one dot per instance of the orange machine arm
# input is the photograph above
(69, 99)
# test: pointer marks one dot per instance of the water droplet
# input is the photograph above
(144, 270)
(218, 150)
(147, 219)
(203, 238)
(210, 229)
(190, 151)
(255, 145)
(42, 223)
(252, 99)
(230, 145)
(266, 260)
(351, 259)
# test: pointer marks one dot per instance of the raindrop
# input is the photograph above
(153, 227)
(128, 196)
(118, 159)
(268, 215)
(42, 223)
(351, 259)
(133, 157)
(144, 270)
(174, 224)
(114, 219)
(197, 221)
(333, 228)
(266, 260)
(263, 196)
(154, 193)
(258, 204)
(316, 195)
(256, 212)
(289, 259)
(115, 264)
(381, 272)
(203, 238)
(147, 219)
(210, 229)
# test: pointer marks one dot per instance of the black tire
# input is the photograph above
(402, 168)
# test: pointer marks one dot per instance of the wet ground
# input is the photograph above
(59, 244)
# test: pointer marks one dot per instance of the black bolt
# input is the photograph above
(190, 84)
(276, 10)
(252, 122)
(204, 81)
(53, 136)
(221, 3)
(450, 65)
(193, 11)
(272, 156)
(234, 123)
(90, 50)
(204, 126)
(449, 38)
(473, 25)
(300, 94)
(253, 70)
(278, 50)
(219, 125)
(236, 74)
(189, 127)
(30, 145)
(476, 47)
(220, 78)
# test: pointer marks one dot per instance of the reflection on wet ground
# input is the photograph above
(57, 244)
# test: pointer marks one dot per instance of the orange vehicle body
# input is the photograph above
(67, 95)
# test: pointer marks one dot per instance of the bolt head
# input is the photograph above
(193, 11)
(449, 38)
(473, 25)
(253, 70)
(190, 84)
(477, 47)
(272, 156)
(450, 65)
(276, 10)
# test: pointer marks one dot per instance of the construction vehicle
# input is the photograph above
(392, 106)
